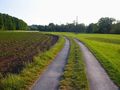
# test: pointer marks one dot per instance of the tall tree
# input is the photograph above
(115, 28)
(92, 28)
(105, 24)
(1, 22)
(8, 22)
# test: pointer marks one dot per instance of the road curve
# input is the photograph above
(49, 80)
(97, 76)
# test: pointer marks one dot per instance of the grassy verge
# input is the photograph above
(106, 48)
(74, 77)
(32, 71)
(109, 63)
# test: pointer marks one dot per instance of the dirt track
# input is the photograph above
(49, 80)
(97, 77)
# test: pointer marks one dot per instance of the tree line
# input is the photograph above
(104, 25)
(8, 22)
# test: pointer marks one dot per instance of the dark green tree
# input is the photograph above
(1, 22)
(115, 28)
(105, 24)
(51, 27)
(92, 28)
(8, 22)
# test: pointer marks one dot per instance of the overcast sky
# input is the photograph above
(60, 11)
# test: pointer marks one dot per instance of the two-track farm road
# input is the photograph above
(97, 77)
(49, 80)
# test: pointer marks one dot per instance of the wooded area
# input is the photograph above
(104, 25)
(8, 22)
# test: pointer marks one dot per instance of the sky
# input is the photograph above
(44, 12)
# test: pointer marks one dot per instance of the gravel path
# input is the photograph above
(97, 76)
(49, 80)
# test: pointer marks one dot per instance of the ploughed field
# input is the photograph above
(18, 48)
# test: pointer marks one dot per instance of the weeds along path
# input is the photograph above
(97, 77)
(49, 80)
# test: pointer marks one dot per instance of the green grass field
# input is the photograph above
(106, 48)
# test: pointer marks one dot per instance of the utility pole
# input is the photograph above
(76, 20)
(76, 23)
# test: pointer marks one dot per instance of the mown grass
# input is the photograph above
(107, 40)
(32, 71)
(74, 77)
(106, 48)
(107, 51)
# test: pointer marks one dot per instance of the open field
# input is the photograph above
(17, 49)
(29, 53)
(39, 62)
(97, 76)
(59, 45)
(106, 48)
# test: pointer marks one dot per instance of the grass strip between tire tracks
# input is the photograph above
(74, 77)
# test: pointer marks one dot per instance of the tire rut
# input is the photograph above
(97, 76)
